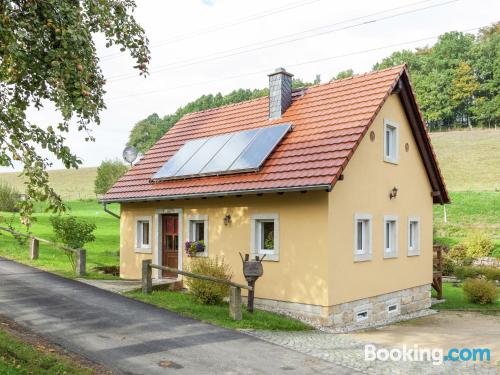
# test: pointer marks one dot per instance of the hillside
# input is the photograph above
(70, 184)
(469, 160)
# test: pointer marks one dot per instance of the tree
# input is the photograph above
(47, 54)
(464, 84)
(343, 74)
(107, 174)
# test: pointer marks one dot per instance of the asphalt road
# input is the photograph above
(132, 337)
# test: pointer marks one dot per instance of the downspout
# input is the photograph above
(105, 208)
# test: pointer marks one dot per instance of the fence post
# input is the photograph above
(147, 281)
(81, 262)
(34, 248)
(235, 303)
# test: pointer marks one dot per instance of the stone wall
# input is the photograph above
(359, 314)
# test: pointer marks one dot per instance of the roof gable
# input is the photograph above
(329, 121)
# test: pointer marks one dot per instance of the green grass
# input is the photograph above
(469, 159)
(186, 304)
(104, 251)
(455, 300)
(17, 357)
(469, 211)
(70, 184)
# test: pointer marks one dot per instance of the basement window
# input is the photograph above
(143, 234)
(413, 236)
(362, 237)
(391, 142)
(265, 236)
(390, 236)
(362, 315)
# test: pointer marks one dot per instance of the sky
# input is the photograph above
(208, 46)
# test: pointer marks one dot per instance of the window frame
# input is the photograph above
(395, 250)
(140, 247)
(191, 221)
(411, 251)
(368, 241)
(255, 236)
(393, 159)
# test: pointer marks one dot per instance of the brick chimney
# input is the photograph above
(280, 92)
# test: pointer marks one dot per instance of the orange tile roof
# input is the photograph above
(328, 120)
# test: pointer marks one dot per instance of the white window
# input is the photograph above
(362, 237)
(198, 231)
(143, 236)
(391, 142)
(265, 236)
(390, 236)
(413, 236)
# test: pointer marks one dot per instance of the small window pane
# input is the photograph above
(199, 231)
(360, 244)
(388, 142)
(145, 233)
(267, 235)
(388, 236)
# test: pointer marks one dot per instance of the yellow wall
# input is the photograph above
(365, 189)
(299, 276)
(316, 263)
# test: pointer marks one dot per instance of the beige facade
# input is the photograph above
(316, 266)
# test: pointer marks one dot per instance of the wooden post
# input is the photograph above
(147, 281)
(250, 296)
(235, 303)
(81, 262)
(34, 248)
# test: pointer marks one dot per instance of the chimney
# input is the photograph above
(280, 92)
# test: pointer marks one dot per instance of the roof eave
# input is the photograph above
(327, 187)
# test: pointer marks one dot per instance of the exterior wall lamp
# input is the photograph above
(227, 220)
(393, 193)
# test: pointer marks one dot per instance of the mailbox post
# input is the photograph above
(252, 270)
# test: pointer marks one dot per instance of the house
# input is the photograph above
(334, 183)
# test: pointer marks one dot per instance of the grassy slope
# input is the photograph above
(17, 357)
(469, 160)
(70, 184)
(104, 251)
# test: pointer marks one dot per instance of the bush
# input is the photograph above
(490, 273)
(208, 292)
(107, 174)
(73, 233)
(448, 266)
(9, 197)
(458, 255)
(480, 291)
(478, 245)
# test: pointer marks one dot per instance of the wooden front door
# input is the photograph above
(170, 243)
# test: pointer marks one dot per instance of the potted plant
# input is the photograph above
(194, 247)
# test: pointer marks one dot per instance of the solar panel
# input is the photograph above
(222, 154)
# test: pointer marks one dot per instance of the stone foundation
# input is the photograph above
(359, 314)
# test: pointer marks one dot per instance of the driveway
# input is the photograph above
(131, 337)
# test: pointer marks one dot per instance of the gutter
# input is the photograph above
(105, 208)
(327, 187)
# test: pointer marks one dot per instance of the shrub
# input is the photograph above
(209, 292)
(458, 255)
(72, 233)
(107, 174)
(480, 291)
(9, 197)
(478, 244)
(448, 266)
(490, 273)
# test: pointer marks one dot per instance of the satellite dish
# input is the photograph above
(130, 154)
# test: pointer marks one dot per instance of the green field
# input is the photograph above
(469, 159)
(456, 300)
(70, 184)
(103, 252)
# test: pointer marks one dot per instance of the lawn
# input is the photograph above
(104, 251)
(468, 211)
(186, 304)
(18, 357)
(455, 300)
(469, 159)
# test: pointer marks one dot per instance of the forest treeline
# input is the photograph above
(457, 83)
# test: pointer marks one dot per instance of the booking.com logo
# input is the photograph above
(417, 354)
